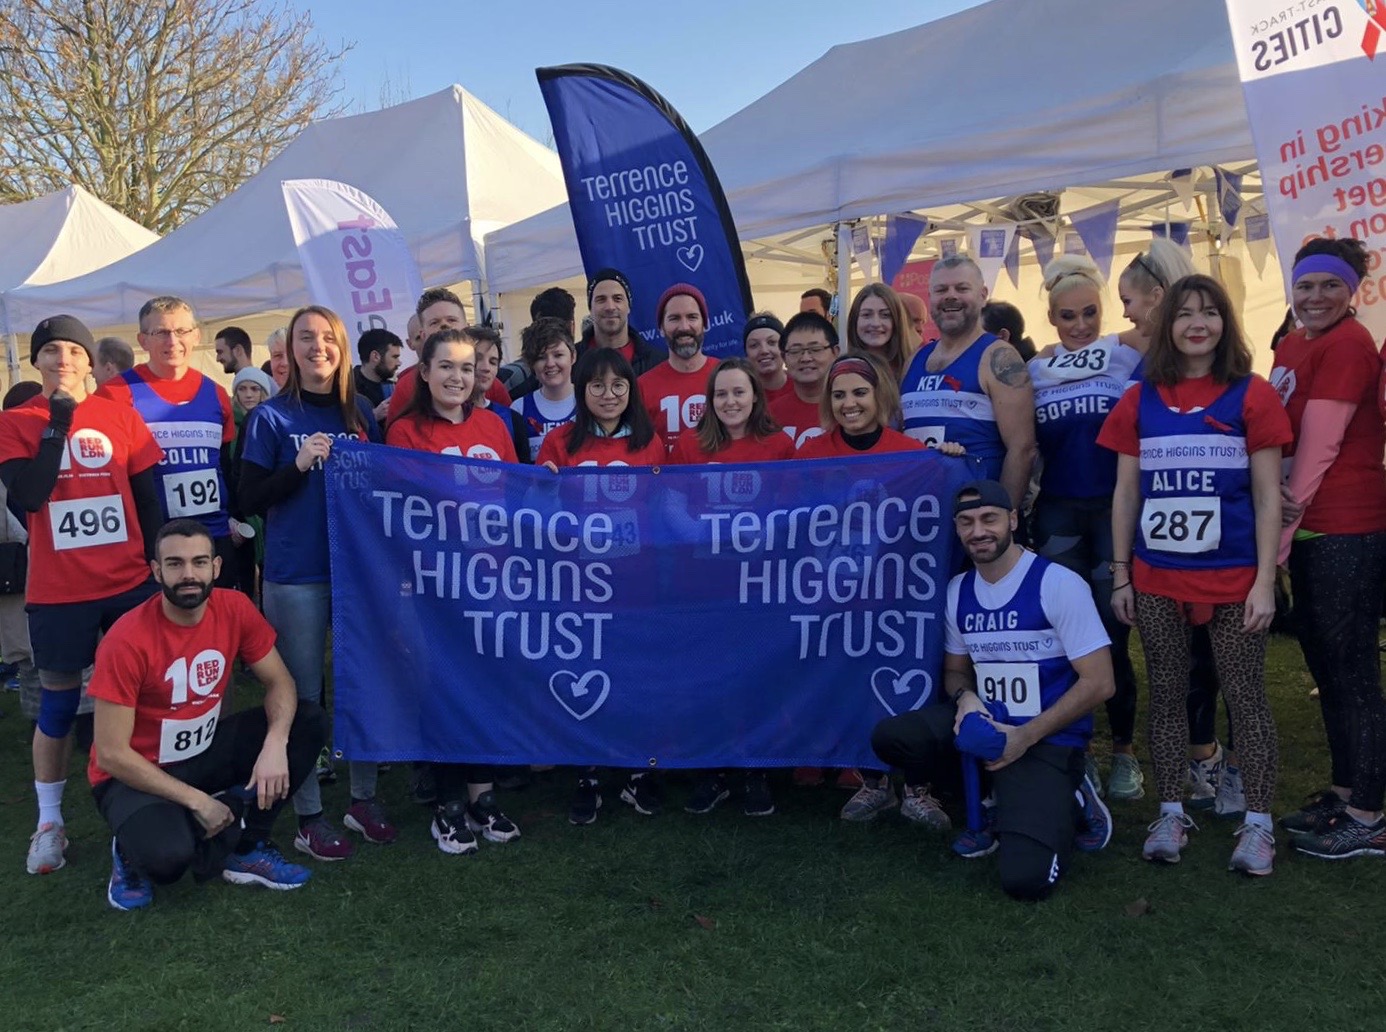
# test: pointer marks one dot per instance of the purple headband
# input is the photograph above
(1329, 263)
(853, 364)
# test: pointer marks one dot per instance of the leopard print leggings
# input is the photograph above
(1240, 660)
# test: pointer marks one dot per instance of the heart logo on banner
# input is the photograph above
(565, 685)
(691, 258)
(889, 685)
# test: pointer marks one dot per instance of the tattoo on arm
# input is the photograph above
(1008, 367)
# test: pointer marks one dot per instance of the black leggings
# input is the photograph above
(452, 780)
(162, 840)
(1336, 581)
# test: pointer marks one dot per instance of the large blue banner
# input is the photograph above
(703, 616)
(645, 198)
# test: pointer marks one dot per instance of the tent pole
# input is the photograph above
(11, 343)
(844, 276)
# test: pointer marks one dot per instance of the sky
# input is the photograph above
(708, 64)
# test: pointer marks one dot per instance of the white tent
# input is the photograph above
(1005, 99)
(446, 167)
(55, 237)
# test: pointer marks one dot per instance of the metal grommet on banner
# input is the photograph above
(337, 754)
(656, 470)
(653, 761)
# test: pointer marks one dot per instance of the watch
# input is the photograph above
(52, 434)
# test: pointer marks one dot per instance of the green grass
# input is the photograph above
(810, 923)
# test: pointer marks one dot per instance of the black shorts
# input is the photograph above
(64, 634)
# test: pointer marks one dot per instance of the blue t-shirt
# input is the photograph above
(296, 528)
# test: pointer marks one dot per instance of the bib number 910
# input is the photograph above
(1014, 685)
(1184, 525)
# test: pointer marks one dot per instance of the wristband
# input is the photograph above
(1118, 587)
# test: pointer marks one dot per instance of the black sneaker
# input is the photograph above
(485, 818)
(587, 800)
(449, 829)
(759, 801)
(643, 793)
(1342, 837)
(512, 779)
(424, 786)
(707, 794)
(1308, 818)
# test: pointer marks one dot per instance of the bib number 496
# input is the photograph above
(86, 522)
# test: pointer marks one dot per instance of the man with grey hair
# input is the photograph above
(190, 417)
(970, 387)
(113, 357)
(277, 344)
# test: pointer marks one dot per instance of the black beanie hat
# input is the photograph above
(607, 274)
(61, 327)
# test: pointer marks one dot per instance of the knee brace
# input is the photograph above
(57, 711)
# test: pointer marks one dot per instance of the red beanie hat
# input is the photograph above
(687, 289)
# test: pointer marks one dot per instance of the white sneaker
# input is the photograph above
(1255, 852)
(46, 849)
(1231, 797)
(1203, 779)
(1169, 833)
(920, 807)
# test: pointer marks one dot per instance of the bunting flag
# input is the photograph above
(645, 199)
(1043, 243)
(862, 251)
(1314, 100)
(989, 246)
(902, 233)
(1073, 243)
(1097, 226)
(948, 247)
(1013, 257)
(1229, 199)
(1175, 232)
(1258, 240)
(355, 260)
(1182, 179)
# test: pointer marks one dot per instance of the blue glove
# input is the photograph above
(977, 737)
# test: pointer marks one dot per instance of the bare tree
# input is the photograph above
(159, 107)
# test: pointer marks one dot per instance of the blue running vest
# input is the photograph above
(189, 478)
(950, 405)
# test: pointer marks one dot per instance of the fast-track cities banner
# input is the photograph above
(355, 259)
(645, 198)
(706, 616)
(1314, 78)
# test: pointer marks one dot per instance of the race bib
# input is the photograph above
(1081, 364)
(929, 436)
(1184, 525)
(183, 739)
(87, 522)
(191, 493)
(1015, 685)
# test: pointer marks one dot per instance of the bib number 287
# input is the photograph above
(1184, 525)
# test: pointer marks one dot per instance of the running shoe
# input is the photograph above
(424, 785)
(972, 845)
(850, 778)
(1169, 833)
(808, 777)
(708, 794)
(1342, 837)
(319, 839)
(1231, 798)
(1317, 812)
(643, 793)
(513, 779)
(1255, 852)
(485, 818)
(46, 849)
(1095, 823)
(1090, 769)
(367, 818)
(1126, 781)
(587, 800)
(325, 772)
(449, 829)
(127, 889)
(1203, 779)
(872, 799)
(918, 806)
(265, 865)
(759, 801)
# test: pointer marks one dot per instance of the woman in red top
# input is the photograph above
(1198, 445)
(611, 426)
(441, 416)
(736, 425)
(1327, 373)
(860, 402)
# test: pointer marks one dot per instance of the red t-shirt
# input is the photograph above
(832, 445)
(85, 542)
(799, 418)
(784, 389)
(774, 448)
(407, 382)
(1341, 365)
(1266, 427)
(675, 400)
(481, 435)
(597, 451)
(175, 392)
(174, 677)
